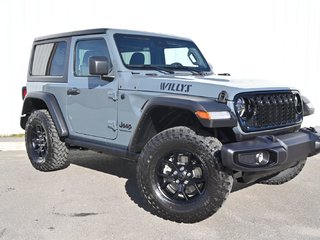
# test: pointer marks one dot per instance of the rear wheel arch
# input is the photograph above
(42, 100)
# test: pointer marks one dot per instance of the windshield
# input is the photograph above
(148, 52)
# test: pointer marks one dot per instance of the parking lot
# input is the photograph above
(97, 198)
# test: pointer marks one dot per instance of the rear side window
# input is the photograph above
(49, 59)
(86, 49)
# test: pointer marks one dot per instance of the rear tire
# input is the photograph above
(285, 175)
(45, 149)
(180, 176)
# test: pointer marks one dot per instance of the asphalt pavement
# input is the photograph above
(96, 197)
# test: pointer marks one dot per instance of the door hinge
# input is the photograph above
(113, 125)
(113, 95)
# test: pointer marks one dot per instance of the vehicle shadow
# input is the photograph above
(111, 165)
(122, 168)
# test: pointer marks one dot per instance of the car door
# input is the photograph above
(91, 101)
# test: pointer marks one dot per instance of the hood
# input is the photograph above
(205, 86)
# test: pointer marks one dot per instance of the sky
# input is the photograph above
(278, 40)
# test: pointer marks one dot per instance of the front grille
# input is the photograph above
(270, 110)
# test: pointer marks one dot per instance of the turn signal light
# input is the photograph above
(223, 115)
(203, 115)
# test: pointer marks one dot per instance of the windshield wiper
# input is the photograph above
(153, 67)
(189, 69)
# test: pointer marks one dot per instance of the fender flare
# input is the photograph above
(51, 104)
(183, 102)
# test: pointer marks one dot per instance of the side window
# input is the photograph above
(86, 49)
(58, 60)
(41, 59)
(49, 59)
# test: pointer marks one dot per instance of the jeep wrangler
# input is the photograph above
(153, 98)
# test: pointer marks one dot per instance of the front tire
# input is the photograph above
(45, 149)
(180, 176)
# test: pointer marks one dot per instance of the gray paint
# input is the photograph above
(109, 111)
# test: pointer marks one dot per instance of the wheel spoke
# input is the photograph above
(198, 180)
(175, 195)
(184, 193)
(175, 158)
(38, 150)
(166, 183)
(170, 164)
(197, 188)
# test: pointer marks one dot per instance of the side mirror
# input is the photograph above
(99, 65)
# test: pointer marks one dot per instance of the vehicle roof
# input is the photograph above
(73, 33)
(100, 31)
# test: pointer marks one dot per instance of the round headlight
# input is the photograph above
(244, 107)
(298, 103)
(240, 106)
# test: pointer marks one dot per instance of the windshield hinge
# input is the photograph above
(113, 95)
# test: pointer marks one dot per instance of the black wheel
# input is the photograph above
(45, 149)
(285, 175)
(180, 175)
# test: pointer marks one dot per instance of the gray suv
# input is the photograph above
(154, 99)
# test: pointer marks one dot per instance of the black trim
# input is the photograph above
(55, 79)
(240, 136)
(75, 54)
(285, 150)
(102, 146)
(53, 107)
(184, 102)
(72, 34)
(127, 66)
(251, 129)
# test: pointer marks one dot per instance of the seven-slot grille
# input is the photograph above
(270, 110)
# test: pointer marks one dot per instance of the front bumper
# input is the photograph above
(272, 153)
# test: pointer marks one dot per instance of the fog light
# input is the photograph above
(262, 158)
(254, 159)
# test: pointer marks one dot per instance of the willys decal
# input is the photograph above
(175, 87)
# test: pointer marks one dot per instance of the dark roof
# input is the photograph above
(71, 34)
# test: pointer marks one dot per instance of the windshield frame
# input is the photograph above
(205, 68)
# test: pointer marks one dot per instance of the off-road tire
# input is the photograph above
(205, 149)
(285, 175)
(55, 154)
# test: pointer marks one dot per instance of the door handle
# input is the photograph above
(73, 91)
